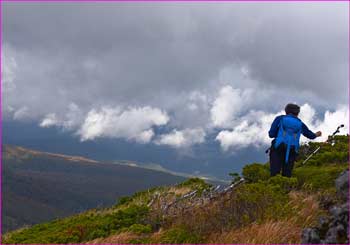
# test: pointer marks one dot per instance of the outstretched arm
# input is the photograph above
(308, 133)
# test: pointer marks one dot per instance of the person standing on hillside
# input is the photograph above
(286, 131)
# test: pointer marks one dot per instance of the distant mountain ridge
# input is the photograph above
(40, 186)
(158, 167)
(15, 150)
(23, 153)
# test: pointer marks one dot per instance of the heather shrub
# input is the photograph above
(80, 228)
(255, 172)
(285, 183)
(318, 178)
(139, 228)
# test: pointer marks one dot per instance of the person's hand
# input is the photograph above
(318, 134)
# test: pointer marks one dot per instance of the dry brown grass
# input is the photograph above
(304, 213)
(306, 209)
(156, 236)
(267, 233)
(123, 237)
(211, 222)
(179, 190)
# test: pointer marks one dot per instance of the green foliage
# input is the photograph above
(174, 235)
(195, 183)
(179, 235)
(318, 178)
(138, 198)
(328, 157)
(235, 177)
(328, 153)
(146, 193)
(80, 228)
(285, 183)
(123, 200)
(140, 229)
(255, 172)
(258, 201)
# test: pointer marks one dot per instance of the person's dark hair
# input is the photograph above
(292, 109)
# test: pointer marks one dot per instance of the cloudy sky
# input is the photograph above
(171, 73)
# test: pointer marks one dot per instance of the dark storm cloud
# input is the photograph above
(133, 50)
(161, 54)
(308, 53)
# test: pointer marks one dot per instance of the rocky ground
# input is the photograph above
(335, 228)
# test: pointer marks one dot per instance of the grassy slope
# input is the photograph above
(265, 210)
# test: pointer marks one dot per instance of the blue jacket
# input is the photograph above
(304, 130)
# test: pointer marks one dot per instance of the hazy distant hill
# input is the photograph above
(39, 186)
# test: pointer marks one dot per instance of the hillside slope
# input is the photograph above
(255, 209)
(39, 186)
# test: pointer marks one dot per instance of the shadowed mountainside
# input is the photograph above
(39, 186)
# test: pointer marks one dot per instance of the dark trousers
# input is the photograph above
(277, 160)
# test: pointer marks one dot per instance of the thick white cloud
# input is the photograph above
(49, 121)
(145, 136)
(307, 114)
(134, 123)
(328, 123)
(253, 127)
(72, 119)
(228, 105)
(240, 127)
(182, 138)
(251, 131)
(331, 120)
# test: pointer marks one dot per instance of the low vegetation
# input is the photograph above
(262, 210)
